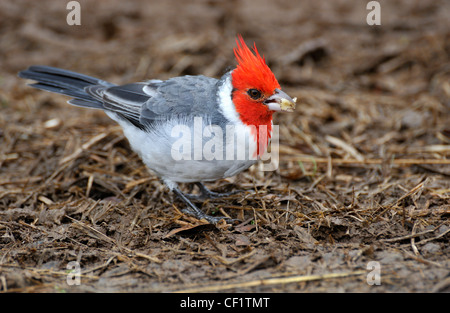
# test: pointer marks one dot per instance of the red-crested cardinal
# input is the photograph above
(154, 113)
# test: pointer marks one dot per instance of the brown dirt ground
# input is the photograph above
(364, 161)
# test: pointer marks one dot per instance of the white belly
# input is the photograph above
(189, 152)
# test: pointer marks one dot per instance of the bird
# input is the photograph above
(186, 129)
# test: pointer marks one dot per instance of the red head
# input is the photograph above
(256, 92)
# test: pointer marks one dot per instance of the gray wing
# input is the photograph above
(144, 103)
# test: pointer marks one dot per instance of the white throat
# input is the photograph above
(226, 105)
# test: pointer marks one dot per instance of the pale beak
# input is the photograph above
(280, 101)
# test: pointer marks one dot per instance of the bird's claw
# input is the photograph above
(210, 219)
(205, 193)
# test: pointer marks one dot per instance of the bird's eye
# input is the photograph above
(255, 94)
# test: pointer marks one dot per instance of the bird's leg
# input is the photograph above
(205, 193)
(196, 212)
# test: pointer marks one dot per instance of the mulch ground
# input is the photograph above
(364, 172)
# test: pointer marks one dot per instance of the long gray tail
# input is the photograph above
(65, 82)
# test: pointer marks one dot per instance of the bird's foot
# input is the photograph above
(205, 193)
(193, 210)
(210, 219)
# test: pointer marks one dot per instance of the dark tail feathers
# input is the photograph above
(65, 82)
